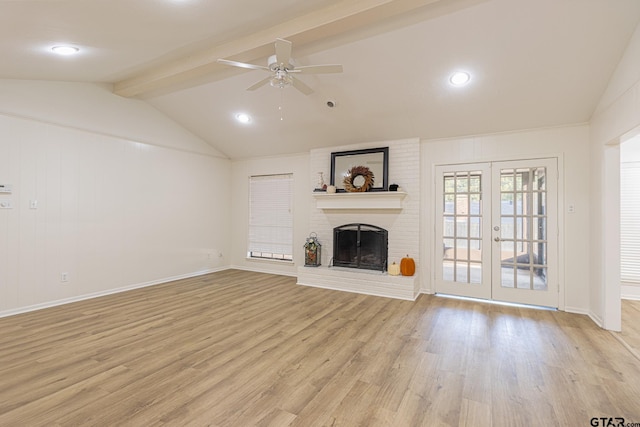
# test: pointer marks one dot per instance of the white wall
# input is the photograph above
(96, 109)
(112, 212)
(571, 145)
(630, 150)
(617, 115)
(241, 170)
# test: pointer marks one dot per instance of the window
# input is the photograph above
(271, 217)
(629, 226)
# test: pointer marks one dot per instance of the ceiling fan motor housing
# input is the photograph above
(274, 66)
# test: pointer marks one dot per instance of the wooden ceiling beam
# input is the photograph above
(330, 21)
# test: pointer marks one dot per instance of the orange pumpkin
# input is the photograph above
(407, 266)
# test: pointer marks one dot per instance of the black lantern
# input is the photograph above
(312, 251)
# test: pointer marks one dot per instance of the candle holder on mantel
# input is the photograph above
(312, 251)
(321, 186)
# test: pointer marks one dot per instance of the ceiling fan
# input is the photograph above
(282, 69)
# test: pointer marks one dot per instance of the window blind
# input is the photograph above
(630, 222)
(271, 217)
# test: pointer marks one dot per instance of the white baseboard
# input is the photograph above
(263, 270)
(576, 310)
(631, 292)
(55, 303)
(597, 319)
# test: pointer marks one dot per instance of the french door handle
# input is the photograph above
(497, 239)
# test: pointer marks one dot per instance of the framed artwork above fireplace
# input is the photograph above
(375, 160)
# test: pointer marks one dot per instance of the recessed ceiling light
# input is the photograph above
(459, 78)
(65, 50)
(243, 118)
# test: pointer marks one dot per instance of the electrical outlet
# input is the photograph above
(64, 277)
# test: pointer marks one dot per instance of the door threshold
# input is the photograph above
(490, 301)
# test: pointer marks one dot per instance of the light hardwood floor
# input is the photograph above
(630, 333)
(248, 349)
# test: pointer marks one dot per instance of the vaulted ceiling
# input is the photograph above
(533, 63)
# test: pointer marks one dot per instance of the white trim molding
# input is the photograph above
(56, 303)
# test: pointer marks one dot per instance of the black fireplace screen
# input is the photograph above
(360, 246)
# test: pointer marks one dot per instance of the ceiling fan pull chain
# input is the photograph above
(281, 102)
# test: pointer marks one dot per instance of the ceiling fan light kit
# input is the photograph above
(281, 79)
(281, 67)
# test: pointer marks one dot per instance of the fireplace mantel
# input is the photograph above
(366, 200)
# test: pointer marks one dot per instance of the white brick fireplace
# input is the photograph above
(398, 213)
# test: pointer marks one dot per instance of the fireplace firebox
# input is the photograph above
(360, 246)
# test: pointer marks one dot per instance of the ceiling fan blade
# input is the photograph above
(283, 52)
(319, 69)
(242, 65)
(302, 87)
(259, 84)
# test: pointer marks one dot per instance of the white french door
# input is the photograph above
(496, 231)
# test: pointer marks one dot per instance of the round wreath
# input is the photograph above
(355, 172)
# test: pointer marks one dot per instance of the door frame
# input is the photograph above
(562, 206)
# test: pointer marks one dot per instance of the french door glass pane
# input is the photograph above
(474, 184)
(539, 179)
(448, 230)
(520, 203)
(462, 249)
(523, 228)
(539, 203)
(506, 204)
(523, 277)
(462, 184)
(448, 203)
(508, 248)
(475, 270)
(462, 229)
(507, 180)
(540, 253)
(474, 228)
(539, 227)
(462, 220)
(462, 269)
(450, 184)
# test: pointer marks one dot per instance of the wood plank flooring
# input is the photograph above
(630, 334)
(248, 349)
